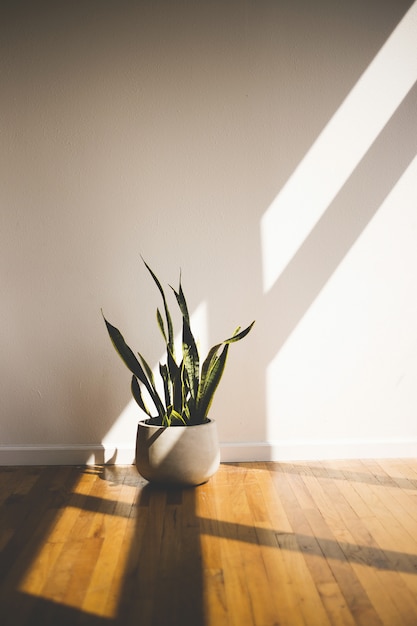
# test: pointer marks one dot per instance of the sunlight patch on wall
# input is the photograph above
(339, 148)
(351, 362)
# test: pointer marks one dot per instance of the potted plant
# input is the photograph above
(179, 443)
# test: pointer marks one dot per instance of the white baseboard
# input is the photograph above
(319, 450)
(98, 454)
(82, 454)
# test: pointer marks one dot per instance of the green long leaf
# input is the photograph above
(182, 302)
(174, 378)
(184, 390)
(208, 363)
(137, 394)
(124, 351)
(212, 371)
(212, 357)
(213, 374)
(177, 416)
(170, 342)
(151, 387)
(191, 358)
(134, 366)
(163, 370)
(161, 324)
(237, 336)
(187, 391)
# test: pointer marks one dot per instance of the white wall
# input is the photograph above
(267, 149)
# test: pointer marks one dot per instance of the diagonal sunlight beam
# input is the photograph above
(339, 148)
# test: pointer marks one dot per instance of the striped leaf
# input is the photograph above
(137, 395)
(167, 313)
(188, 387)
(191, 359)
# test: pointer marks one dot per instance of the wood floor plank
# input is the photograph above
(399, 549)
(125, 508)
(399, 545)
(130, 560)
(365, 555)
(235, 581)
(143, 584)
(280, 594)
(397, 495)
(247, 572)
(304, 592)
(104, 572)
(315, 551)
(262, 544)
(214, 595)
(356, 597)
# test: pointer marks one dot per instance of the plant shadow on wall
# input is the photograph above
(108, 548)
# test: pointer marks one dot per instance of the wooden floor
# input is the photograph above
(265, 544)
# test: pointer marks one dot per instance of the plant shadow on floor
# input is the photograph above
(163, 575)
(162, 580)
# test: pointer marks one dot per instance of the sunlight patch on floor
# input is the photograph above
(81, 536)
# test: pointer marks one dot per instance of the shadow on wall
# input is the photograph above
(342, 223)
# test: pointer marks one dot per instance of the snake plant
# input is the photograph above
(188, 384)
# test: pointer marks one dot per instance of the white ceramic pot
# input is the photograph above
(177, 455)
